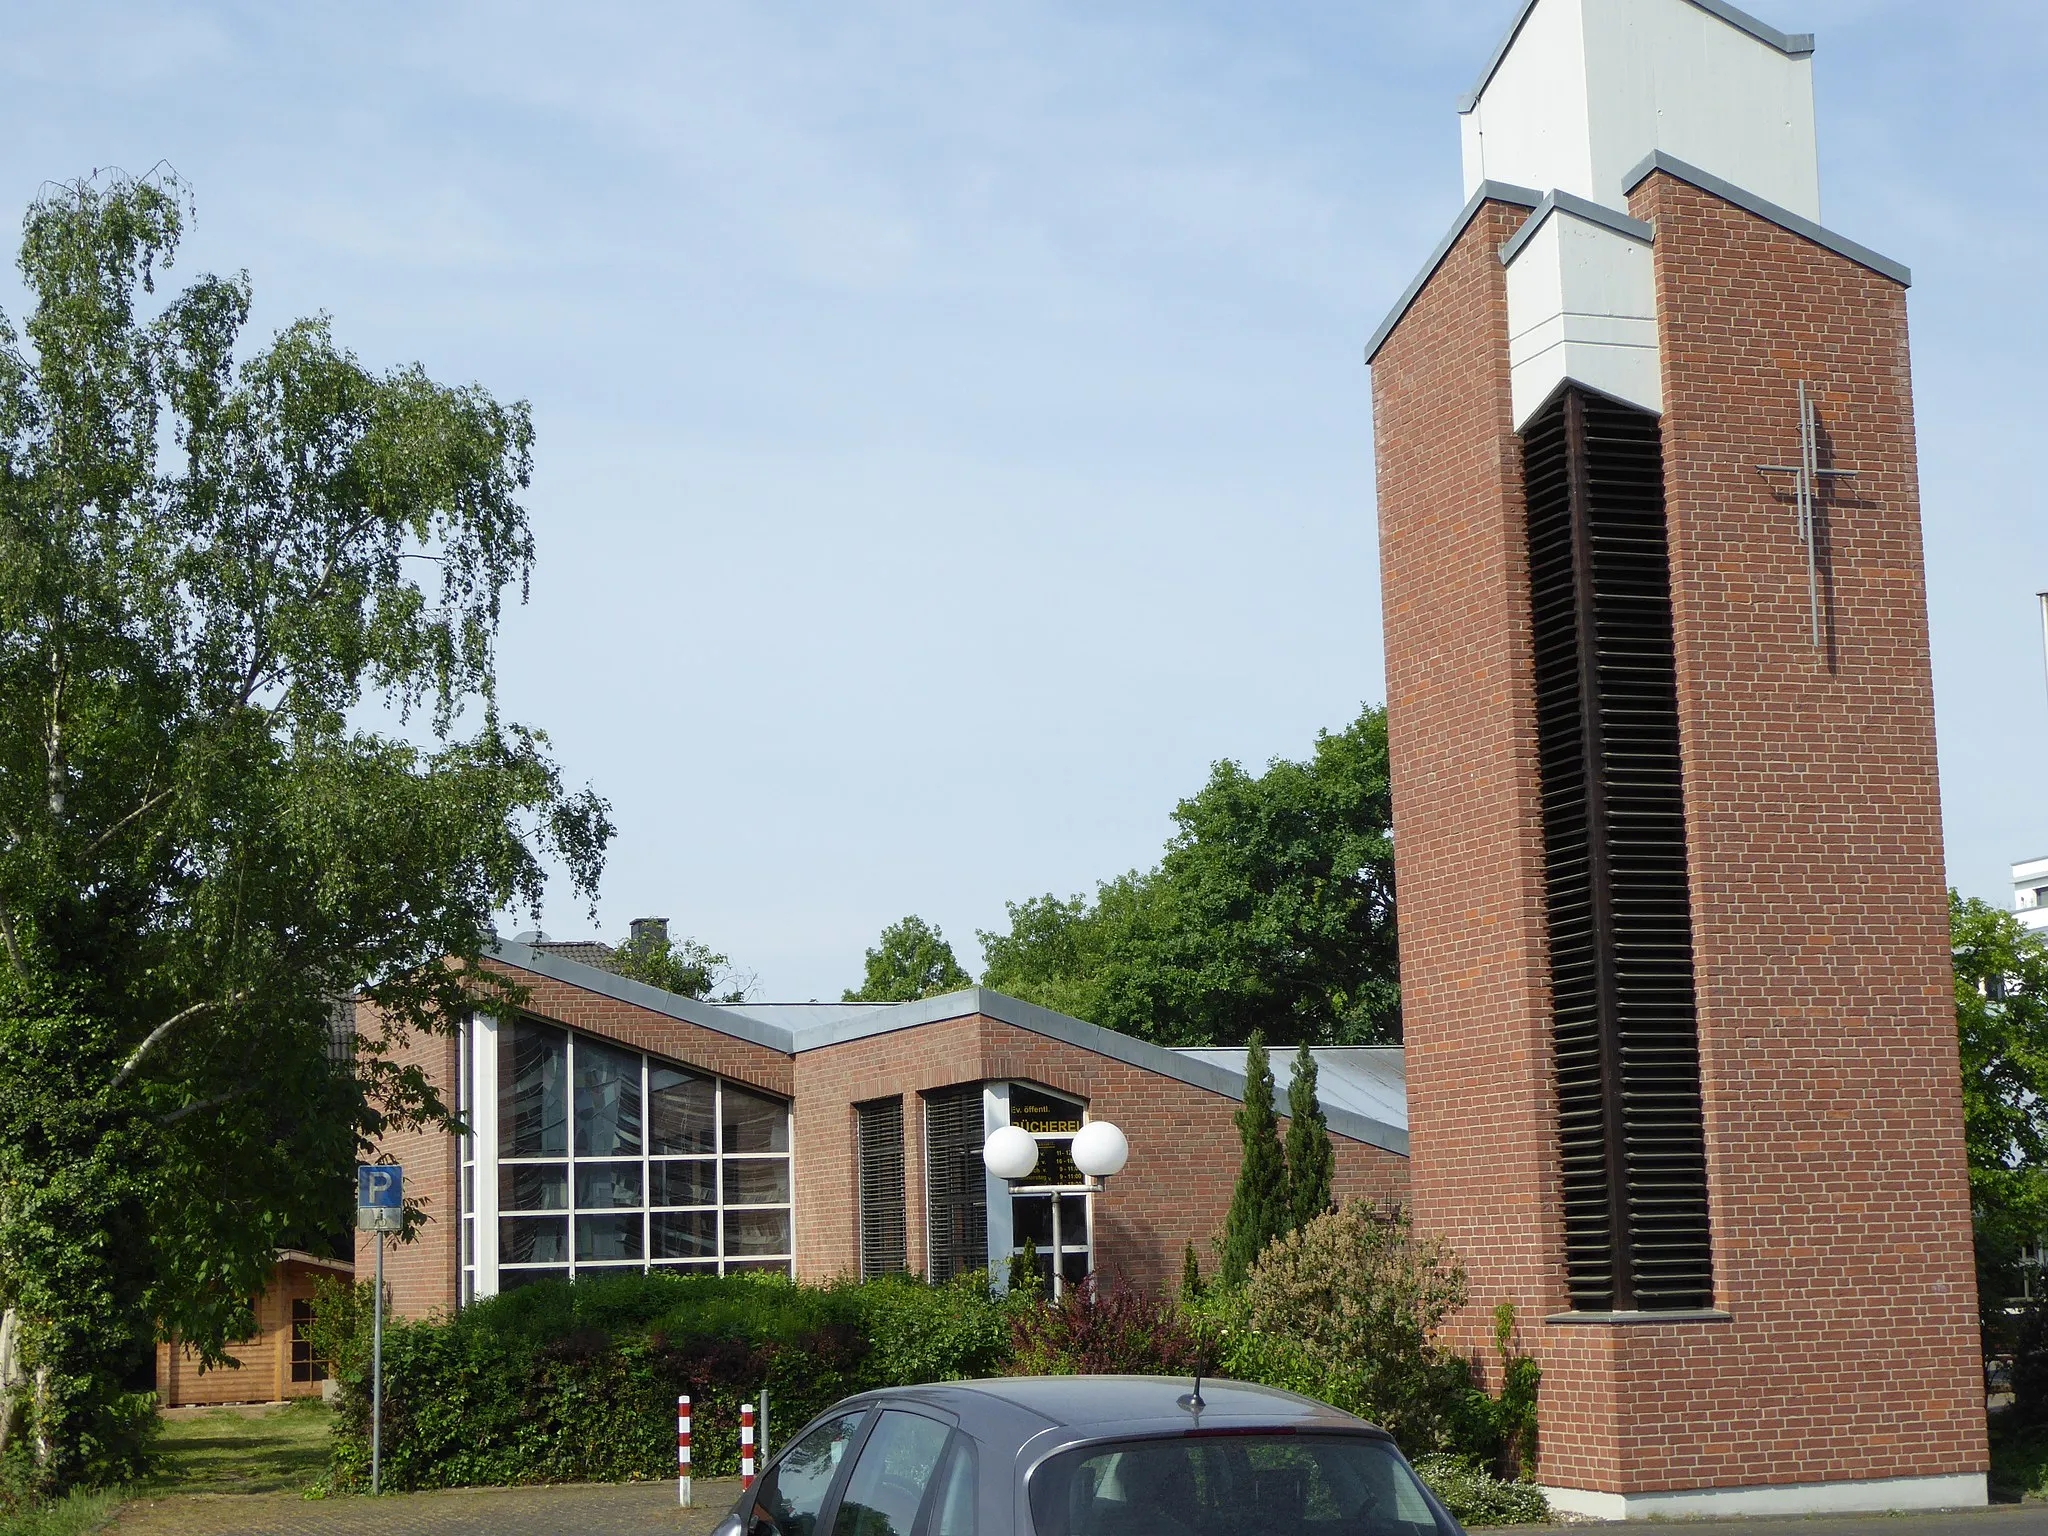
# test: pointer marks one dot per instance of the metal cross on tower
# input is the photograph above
(1806, 477)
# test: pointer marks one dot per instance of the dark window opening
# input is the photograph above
(956, 1189)
(1631, 1138)
(306, 1365)
(884, 1215)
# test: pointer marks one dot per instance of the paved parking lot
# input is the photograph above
(606, 1509)
(649, 1509)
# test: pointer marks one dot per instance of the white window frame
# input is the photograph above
(480, 1154)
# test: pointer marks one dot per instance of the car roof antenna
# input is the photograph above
(1192, 1401)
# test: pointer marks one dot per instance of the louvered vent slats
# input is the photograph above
(1626, 1045)
(884, 1231)
(956, 1184)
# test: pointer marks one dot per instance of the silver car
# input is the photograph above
(1088, 1456)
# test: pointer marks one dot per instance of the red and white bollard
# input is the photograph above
(746, 1446)
(683, 1451)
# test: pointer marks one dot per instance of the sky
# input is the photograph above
(952, 434)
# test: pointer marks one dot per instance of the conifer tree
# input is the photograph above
(1190, 1276)
(1309, 1158)
(1260, 1209)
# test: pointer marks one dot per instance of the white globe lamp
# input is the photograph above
(1100, 1149)
(1010, 1153)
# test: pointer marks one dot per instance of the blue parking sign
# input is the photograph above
(380, 1197)
(380, 1184)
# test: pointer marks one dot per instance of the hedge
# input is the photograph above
(562, 1382)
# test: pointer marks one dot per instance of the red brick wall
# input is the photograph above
(420, 1276)
(829, 1082)
(1184, 1146)
(1461, 727)
(1184, 1155)
(1835, 1163)
(1832, 1091)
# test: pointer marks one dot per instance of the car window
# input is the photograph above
(888, 1483)
(953, 1505)
(1279, 1485)
(794, 1489)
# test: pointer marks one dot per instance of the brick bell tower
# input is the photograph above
(1674, 938)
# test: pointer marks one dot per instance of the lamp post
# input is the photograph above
(1099, 1150)
(1010, 1153)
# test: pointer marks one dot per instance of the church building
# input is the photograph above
(617, 1126)
(1658, 689)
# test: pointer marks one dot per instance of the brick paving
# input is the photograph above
(649, 1509)
(583, 1509)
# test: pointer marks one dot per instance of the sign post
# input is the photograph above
(380, 1209)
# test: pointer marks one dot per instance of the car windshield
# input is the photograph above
(1232, 1484)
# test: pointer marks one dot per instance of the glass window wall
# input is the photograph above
(610, 1159)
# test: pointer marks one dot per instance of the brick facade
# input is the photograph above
(420, 1276)
(1175, 1191)
(1462, 742)
(1836, 1174)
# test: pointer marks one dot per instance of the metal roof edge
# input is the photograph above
(605, 983)
(1487, 191)
(1128, 1049)
(887, 1018)
(1794, 45)
(1559, 201)
(1784, 218)
(1170, 1063)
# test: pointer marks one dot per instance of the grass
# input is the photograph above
(76, 1514)
(273, 1450)
(278, 1450)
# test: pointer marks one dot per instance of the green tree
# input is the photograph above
(682, 966)
(1259, 1207)
(911, 960)
(1309, 1159)
(2001, 979)
(1272, 908)
(212, 572)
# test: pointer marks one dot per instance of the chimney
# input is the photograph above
(650, 930)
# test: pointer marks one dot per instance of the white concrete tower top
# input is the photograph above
(1581, 92)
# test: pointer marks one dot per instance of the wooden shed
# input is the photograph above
(277, 1361)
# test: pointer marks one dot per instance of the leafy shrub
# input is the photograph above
(1344, 1310)
(1500, 1430)
(949, 1332)
(1106, 1329)
(1477, 1497)
(561, 1382)
(340, 1330)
